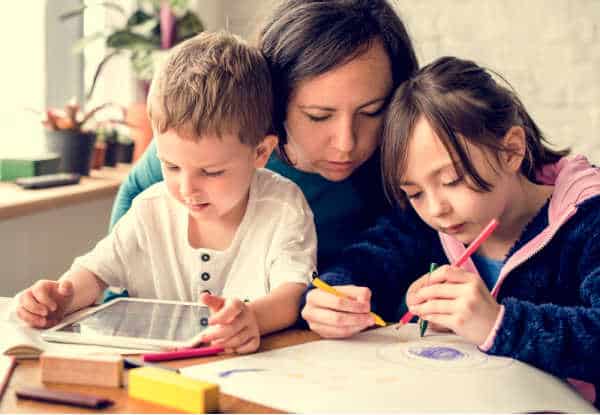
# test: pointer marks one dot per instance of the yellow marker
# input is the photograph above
(173, 390)
(328, 288)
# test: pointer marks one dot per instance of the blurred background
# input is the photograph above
(548, 50)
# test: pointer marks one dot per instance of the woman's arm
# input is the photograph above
(145, 173)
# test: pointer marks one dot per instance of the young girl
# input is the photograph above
(461, 149)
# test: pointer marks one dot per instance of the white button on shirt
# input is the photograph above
(148, 251)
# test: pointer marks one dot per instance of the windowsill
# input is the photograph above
(15, 201)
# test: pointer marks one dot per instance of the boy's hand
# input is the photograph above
(331, 316)
(44, 304)
(455, 299)
(233, 324)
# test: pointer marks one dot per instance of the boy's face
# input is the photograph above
(210, 176)
(441, 197)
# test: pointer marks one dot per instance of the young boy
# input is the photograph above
(219, 229)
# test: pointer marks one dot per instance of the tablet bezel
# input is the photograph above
(54, 335)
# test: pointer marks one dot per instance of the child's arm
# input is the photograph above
(278, 309)
(46, 302)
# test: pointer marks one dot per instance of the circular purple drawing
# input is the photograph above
(437, 353)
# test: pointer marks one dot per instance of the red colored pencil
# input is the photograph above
(181, 354)
(485, 233)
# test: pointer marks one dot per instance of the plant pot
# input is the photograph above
(74, 148)
(110, 159)
(124, 152)
(98, 155)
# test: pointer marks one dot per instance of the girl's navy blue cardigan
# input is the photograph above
(552, 301)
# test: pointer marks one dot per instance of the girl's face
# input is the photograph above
(334, 120)
(442, 198)
(211, 175)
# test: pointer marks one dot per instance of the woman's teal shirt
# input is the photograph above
(341, 209)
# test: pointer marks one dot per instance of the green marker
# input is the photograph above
(423, 323)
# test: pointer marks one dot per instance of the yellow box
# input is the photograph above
(173, 390)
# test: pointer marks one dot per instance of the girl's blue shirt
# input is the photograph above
(341, 209)
(489, 269)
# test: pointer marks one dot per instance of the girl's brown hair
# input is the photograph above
(462, 103)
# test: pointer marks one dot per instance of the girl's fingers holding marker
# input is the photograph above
(449, 274)
(447, 291)
(437, 306)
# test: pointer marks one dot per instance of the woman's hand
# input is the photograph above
(456, 299)
(336, 317)
(233, 325)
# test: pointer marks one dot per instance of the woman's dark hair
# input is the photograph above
(462, 103)
(306, 38)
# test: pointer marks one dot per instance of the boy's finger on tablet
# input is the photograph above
(215, 303)
(231, 310)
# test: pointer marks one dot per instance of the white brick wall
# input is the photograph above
(549, 50)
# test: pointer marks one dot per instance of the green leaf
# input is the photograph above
(124, 39)
(82, 43)
(138, 17)
(142, 63)
(147, 28)
(187, 26)
(179, 6)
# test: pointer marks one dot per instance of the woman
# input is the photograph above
(334, 66)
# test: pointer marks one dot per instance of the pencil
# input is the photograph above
(422, 322)
(485, 233)
(319, 283)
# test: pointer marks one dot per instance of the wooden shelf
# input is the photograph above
(15, 201)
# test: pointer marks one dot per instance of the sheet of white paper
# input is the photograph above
(389, 370)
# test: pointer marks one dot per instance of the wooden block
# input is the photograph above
(173, 390)
(97, 370)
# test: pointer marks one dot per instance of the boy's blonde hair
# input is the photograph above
(213, 83)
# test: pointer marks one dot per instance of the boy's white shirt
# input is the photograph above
(148, 251)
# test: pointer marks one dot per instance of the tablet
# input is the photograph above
(135, 324)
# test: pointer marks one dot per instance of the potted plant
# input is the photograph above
(69, 135)
(151, 29)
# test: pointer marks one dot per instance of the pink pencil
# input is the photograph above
(485, 233)
(181, 354)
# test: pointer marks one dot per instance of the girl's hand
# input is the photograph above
(335, 317)
(44, 304)
(455, 299)
(233, 325)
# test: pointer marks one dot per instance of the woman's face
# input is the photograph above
(334, 120)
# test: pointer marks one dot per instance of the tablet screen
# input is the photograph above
(161, 321)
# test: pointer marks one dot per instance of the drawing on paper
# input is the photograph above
(437, 352)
